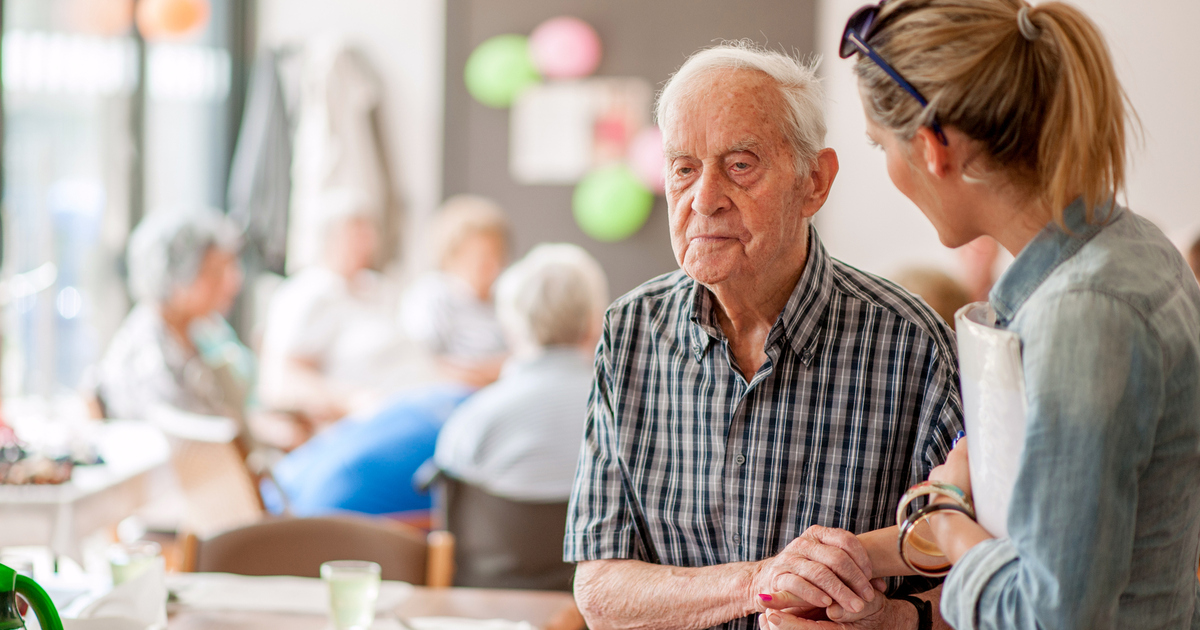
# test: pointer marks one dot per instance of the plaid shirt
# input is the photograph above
(685, 463)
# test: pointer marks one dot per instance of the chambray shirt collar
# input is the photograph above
(1048, 249)
(798, 324)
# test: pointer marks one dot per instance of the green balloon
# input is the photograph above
(499, 69)
(611, 204)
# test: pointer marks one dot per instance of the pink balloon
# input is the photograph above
(565, 48)
(646, 158)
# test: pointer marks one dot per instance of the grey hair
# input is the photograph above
(168, 248)
(803, 122)
(555, 295)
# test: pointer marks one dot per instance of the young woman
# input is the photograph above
(1005, 120)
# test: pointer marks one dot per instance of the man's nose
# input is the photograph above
(711, 196)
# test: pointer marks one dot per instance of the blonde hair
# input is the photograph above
(461, 217)
(803, 119)
(1047, 109)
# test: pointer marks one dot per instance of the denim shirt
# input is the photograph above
(1104, 523)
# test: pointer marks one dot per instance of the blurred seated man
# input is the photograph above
(174, 352)
(510, 450)
(450, 309)
(331, 344)
(942, 293)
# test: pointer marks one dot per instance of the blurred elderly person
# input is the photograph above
(508, 454)
(518, 437)
(175, 352)
(450, 309)
(331, 344)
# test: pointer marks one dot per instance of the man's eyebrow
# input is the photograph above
(745, 145)
(671, 154)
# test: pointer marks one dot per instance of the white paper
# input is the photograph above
(993, 396)
(141, 601)
(285, 594)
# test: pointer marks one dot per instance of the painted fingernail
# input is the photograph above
(961, 435)
(765, 597)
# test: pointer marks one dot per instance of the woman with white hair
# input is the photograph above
(174, 350)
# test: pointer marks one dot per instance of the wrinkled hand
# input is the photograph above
(821, 568)
(879, 614)
(956, 470)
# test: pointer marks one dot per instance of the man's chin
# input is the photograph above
(707, 275)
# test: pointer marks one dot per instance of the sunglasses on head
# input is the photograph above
(859, 28)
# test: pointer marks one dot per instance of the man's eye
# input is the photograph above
(684, 170)
(740, 166)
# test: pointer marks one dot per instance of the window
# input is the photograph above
(88, 150)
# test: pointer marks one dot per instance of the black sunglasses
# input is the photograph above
(859, 28)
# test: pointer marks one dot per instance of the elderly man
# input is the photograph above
(763, 395)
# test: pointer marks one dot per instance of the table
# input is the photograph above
(543, 609)
(96, 497)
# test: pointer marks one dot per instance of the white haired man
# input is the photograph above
(753, 409)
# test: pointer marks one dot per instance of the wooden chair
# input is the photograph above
(298, 546)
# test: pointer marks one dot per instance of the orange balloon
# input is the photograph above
(159, 19)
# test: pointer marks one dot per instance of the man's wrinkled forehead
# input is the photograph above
(741, 105)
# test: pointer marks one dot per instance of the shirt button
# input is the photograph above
(740, 459)
(737, 539)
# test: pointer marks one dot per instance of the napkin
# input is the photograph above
(140, 603)
(285, 594)
(461, 623)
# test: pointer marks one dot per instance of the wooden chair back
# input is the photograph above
(298, 546)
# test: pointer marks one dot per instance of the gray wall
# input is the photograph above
(645, 38)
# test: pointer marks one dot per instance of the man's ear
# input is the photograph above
(930, 151)
(824, 171)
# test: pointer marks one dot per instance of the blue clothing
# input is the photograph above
(1104, 523)
(367, 466)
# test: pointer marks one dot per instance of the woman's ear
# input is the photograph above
(930, 150)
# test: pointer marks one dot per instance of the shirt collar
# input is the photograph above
(802, 317)
(1048, 249)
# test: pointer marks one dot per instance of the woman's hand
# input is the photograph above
(956, 471)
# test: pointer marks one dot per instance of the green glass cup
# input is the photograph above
(129, 560)
(353, 589)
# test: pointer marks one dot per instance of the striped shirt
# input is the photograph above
(685, 463)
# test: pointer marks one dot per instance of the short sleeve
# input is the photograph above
(303, 320)
(599, 523)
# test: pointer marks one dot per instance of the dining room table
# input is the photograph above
(414, 608)
(96, 497)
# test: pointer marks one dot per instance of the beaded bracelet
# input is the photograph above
(910, 523)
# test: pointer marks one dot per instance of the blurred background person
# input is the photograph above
(331, 344)
(174, 351)
(514, 444)
(449, 310)
(941, 292)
